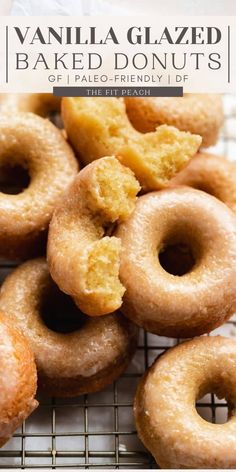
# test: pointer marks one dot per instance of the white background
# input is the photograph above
(71, 7)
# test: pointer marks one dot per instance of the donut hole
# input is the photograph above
(56, 119)
(215, 399)
(204, 188)
(59, 313)
(48, 106)
(14, 179)
(207, 410)
(177, 259)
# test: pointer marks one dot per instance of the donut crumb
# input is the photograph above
(103, 272)
(116, 189)
(99, 127)
(166, 151)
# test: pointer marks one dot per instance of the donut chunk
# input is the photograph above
(37, 146)
(191, 303)
(83, 260)
(42, 104)
(82, 361)
(212, 174)
(198, 113)
(18, 380)
(99, 127)
(166, 417)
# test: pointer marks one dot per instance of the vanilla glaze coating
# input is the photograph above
(85, 360)
(198, 113)
(213, 174)
(37, 146)
(41, 104)
(165, 405)
(18, 379)
(199, 300)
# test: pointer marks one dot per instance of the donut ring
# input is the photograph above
(38, 146)
(205, 296)
(198, 113)
(42, 104)
(166, 417)
(18, 380)
(212, 174)
(78, 362)
(83, 261)
(99, 127)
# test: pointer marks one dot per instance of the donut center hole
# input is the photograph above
(177, 259)
(204, 188)
(14, 179)
(59, 312)
(56, 119)
(213, 410)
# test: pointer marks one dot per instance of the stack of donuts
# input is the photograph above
(119, 219)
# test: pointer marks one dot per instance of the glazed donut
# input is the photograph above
(212, 174)
(83, 261)
(99, 127)
(37, 146)
(18, 380)
(160, 300)
(166, 417)
(69, 364)
(42, 104)
(198, 113)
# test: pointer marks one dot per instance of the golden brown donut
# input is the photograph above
(83, 259)
(166, 417)
(205, 296)
(82, 361)
(198, 113)
(212, 174)
(99, 127)
(42, 104)
(36, 145)
(18, 380)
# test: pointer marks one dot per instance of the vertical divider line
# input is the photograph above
(7, 54)
(229, 52)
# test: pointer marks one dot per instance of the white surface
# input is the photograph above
(67, 7)
(5, 6)
(125, 7)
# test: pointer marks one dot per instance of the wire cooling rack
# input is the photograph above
(98, 431)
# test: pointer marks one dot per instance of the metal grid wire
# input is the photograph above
(98, 431)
